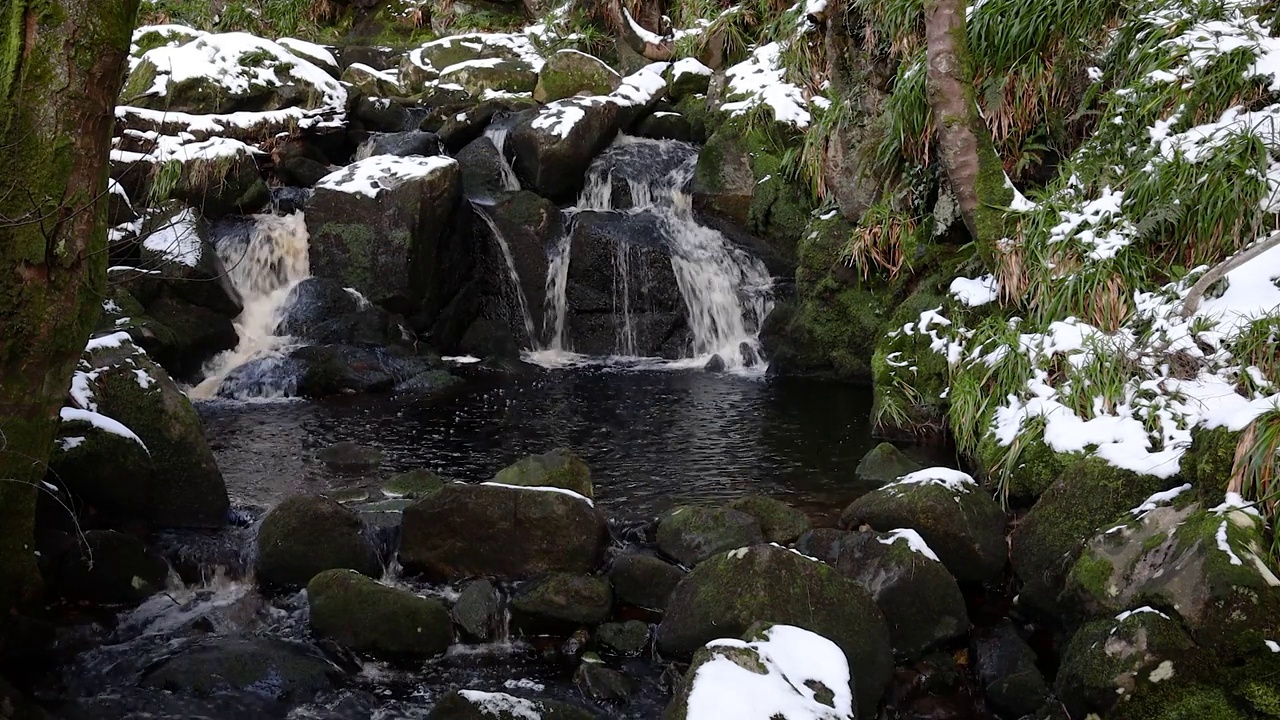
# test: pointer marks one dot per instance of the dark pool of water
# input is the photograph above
(653, 439)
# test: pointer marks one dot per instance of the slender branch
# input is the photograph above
(1219, 271)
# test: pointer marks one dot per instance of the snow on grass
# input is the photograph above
(974, 292)
(177, 240)
(373, 175)
(795, 662)
(101, 422)
(759, 81)
(543, 488)
(913, 540)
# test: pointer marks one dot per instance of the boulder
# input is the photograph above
(278, 669)
(400, 144)
(921, 602)
(478, 610)
(468, 530)
(109, 474)
(776, 671)
(477, 705)
(413, 485)
(322, 312)
(691, 534)
(623, 638)
(601, 683)
(326, 370)
(959, 520)
(456, 49)
(369, 617)
(385, 227)
(478, 77)
(1088, 497)
(666, 126)
(118, 382)
(687, 77)
(726, 594)
(644, 580)
(554, 148)
(1006, 667)
(882, 465)
(724, 183)
(570, 72)
(379, 114)
(110, 567)
(483, 171)
(779, 522)
(307, 534)
(318, 55)
(558, 468)
(179, 259)
(349, 456)
(371, 82)
(563, 598)
(822, 543)
(220, 177)
(183, 337)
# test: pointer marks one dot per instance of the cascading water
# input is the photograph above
(512, 274)
(497, 134)
(264, 264)
(726, 291)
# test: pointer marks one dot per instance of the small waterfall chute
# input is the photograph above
(513, 275)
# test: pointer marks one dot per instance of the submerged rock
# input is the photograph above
(559, 468)
(477, 705)
(278, 669)
(690, 534)
(305, 535)
(726, 594)
(955, 516)
(565, 598)
(779, 522)
(413, 485)
(350, 456)
(368, 616)
(468, 530)
(623, 638)
(644, 580)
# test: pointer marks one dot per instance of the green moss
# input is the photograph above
(1023, 470)
(1261, 696)
(1179, 701)
(1092, 573)
(368, 616)
(1208, 462)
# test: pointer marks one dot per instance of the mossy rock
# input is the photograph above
(281, 670)
(565, 598)
(569, 72)
(958, 520)
(1090, 496)
(666, 126)
(690, 534)
(412, 485)
(727, 594)
(643, 580)
(600, 683)
(110, 474)
(307, 534)
(779, 522)
(780, 209)
(703, 119)
(1024, 478)
(150, 37)
(911, 377)
(723, 181)
(882, 465)
(560, 468)
(111, 567)
(1208, 462)
(1178, 701)
(507, 76)
(350, 456)
(478, 609)
(371, 82)
(369, 617)
(185, 337)
(623, 638)
(224, 185)
(687, 78)
(478, 705)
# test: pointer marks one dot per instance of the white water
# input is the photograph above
(498, 135)
(725, 290)
(264, 271)
(512, 274)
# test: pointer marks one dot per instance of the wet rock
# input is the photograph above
(623, 638)
(321, 311)
(183, 337)
(110, 567)
(478, 610)
(370, 617)
(602, 683)
(386, 227)
(565, 598)
(726, 594)
(282, 670)
(822, 543)
(724, 183)
(779, 522)
(687, 77)
(559, 468)
(715, 364)
(482, 170)
(412, 485)
(1006, 667)
(223, 185)
(691, 534)
(921, 602)
(1090, 496)
(644, 580)
(750, 358)
(803, 672)
(884, 464)
(569, 72)
(305, 535)
(469, 530)
(326, 370)
(401, 144)
(180, 260)
(665, 126)
(955, 516)
(477, 705)
(463, 123)
(554, 149)
(350, 456)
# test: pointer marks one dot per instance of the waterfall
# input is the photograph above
(497, 134)
(264, 265)
(726, 291)
(512, 274)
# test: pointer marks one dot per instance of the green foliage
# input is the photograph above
(311, 19)
(1256, 474)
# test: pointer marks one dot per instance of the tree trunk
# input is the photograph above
(964, 143)
(61, 66)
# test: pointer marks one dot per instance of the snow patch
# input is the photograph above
(101, 422)
(375, 174)
(914, 542)
(540, 488)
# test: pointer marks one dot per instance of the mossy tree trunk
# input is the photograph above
(968, 156)
(61, 65)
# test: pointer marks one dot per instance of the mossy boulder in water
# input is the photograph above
(690, 534)
(623, 638)
(413, 485)
(277, 669)
(350, 456)
(958, 519)
(564, 598)
(111, 567)
(1089, 497)
(1022, 476)
(882, 465)
(602, 683)
(907, 356)
(367, 616)
(559, 468)
(644, 580)
(726, 594)
(779, 522)
(184, 337)
(468, 530)
(478, 610)
(569, 72)
(478, 705)
(307, 534)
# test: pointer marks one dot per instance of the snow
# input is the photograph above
(101, 422)
(760, 81)
(689, 66)
(524, 684)
(1233, 502)
(309, 50)
(974, 292)
(644, 35)
(70, 443)
(560, 117)
(177, 241)
(485, 45)
(914, 542)
(1161, 498)
(375, 174)
(1138, 611)
(953, 480)
(498, 704)
(374, 72)
(815, 7)
(793, 659)
(1224, 544)
(541, 488)
(1273, 646)
(114, 340)
(461, 359)
(476, 63)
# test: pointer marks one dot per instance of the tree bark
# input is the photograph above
(973, 169)
(1194, 296)
(61, 67)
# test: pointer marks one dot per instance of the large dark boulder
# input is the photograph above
(184, 337)
(725, 595)
(554, 148)
(281, 670)
(401, 144)
(779, 522)
(644, 580)
(323, 312)
(467, 530)
(307, 534)
(179, 259)
(389, 227)
(570, 72)
(690, 534)
(1006, 667)
(367, 616)
(563, 598)
(111, 567)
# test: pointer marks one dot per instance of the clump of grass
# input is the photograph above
(1255, 473)
(880, 241)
